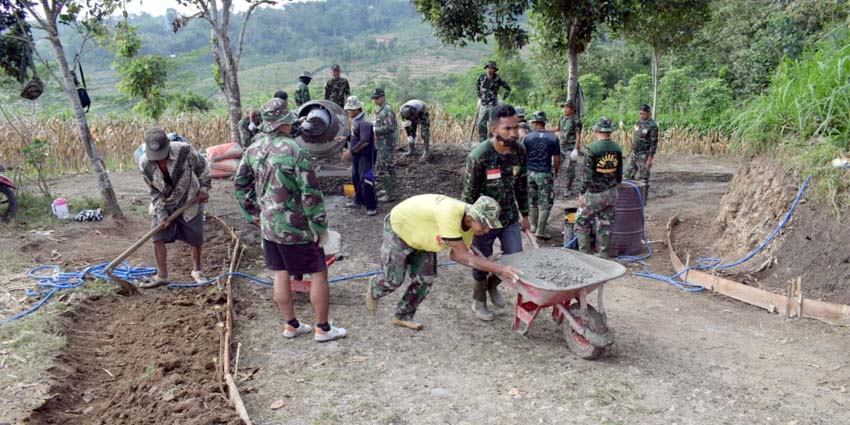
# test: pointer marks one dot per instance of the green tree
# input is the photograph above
(675, 89)
(664, 25)
(142, 77)
(712, 97)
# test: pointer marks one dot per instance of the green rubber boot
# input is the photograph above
(532, 218)
(426, 152)
(479, 301)
(584, 243)
(543, 218)
(496, 298)
(605, 246)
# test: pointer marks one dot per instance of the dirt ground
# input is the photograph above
(677, 358)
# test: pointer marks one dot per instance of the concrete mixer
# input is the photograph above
(324, 121)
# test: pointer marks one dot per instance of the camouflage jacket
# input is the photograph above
(188, 174)
(488, 89)
(276, 183)
(603, 166)
(646, 137)
(246, 136)
(386, 126)
(502, 177)
(302, 93)
(337, 90)
(569, 127)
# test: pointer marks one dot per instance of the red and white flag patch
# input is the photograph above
(494, 174)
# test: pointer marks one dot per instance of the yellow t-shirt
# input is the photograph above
(428, 222)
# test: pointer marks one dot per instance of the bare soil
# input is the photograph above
(677, 358)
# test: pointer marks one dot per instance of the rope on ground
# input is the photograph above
(708, 263)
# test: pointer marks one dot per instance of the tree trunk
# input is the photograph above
(85, 133)
(656, 57)
(572, 85)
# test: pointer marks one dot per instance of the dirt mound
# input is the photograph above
(145, 359)
(812, 245)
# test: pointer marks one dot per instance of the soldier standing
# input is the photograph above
(386, 129)
(336, 89)
(498, 168)
(544, 155)
(570, 129)
(249, 126)
(603, 171)
(643, 148)
(487, 88)
(415, 114)
(278, 191)
(524, 126)
(302, 89)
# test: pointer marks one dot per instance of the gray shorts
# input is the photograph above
(191, 232)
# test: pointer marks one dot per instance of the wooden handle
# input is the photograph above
(531, 239)
(148, 235)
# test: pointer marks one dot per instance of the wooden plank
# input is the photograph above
(835, 314)
(236, 399)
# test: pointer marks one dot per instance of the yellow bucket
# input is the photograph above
(571, 218)
(348, 189)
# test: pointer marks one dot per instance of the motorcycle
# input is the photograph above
(8, 199)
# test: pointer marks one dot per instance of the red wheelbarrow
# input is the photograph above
(563, 279)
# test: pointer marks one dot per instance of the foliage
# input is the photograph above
(190, 101)
(15, 41)
(665, 24)
(142, 77)
(36, 155)
(459, 22)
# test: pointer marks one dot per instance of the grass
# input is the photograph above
(35, 210)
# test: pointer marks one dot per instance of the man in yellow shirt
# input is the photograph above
(414, 231)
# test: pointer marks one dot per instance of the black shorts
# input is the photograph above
(191, 232)
(295, 259)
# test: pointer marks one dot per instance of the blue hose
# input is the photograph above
(708, 263)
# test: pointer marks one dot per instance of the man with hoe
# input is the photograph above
(498, 168)
(415, 114)
(361, 152)
(386, 130)
(176, 174)
(487, 87)
(544, 156)
(279, 192)
(643, 149)
(414, 231)
(603, 171)
(336, 89)
(570, 129)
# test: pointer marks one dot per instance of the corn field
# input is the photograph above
(118, 138)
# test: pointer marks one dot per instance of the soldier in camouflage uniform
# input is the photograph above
(524, 126)
(415, 114)
(487, 88)
(498, 168)
(643, 149)
(386, 130)
(570, 128)
(336, 89)
(414, 231)
(603, 171)
(544, 156)
(278, 191)
(249, 126)
(302, 89)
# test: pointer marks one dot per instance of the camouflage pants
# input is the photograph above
(541, 190)
(424, 125)
(569, 166)
(636, 168)
(484, 122)
(397, 260)
(386, 165)
(598, 206)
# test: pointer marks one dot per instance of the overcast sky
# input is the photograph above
(158, 7)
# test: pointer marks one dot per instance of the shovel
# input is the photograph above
(126, 287)
(531, 239)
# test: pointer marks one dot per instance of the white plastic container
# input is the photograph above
(60, 208)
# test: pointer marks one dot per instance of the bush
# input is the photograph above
(711, 98)
(190, 102)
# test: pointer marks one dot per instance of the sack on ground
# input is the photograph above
(226, 151)
(224, 169)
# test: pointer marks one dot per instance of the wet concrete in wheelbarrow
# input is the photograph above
(560, 269)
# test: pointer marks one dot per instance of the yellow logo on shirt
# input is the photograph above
(607, 164)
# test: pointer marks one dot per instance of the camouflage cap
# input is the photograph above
(571, 103)
(305, 74)
(603, 125)
(486, 210)
(353, 103)
(520, 112)
(275, 114)
(157, 145)
(491, 64)
(539, 116)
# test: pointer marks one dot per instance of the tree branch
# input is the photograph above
(245, 26)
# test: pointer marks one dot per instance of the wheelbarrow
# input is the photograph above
(564, 279)
(332, 255)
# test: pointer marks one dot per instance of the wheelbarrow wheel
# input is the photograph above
(578, 344)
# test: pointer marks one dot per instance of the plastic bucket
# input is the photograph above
(569, 224)
(348, 189)
(60, 208)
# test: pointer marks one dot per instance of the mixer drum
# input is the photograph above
(324, 121)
